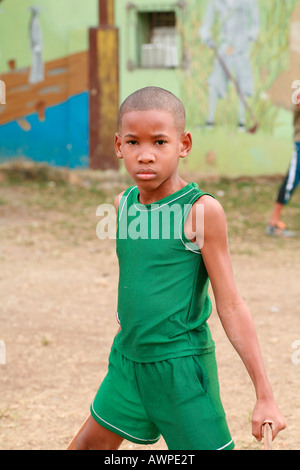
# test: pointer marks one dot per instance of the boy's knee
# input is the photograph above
(88, 441)
(95, 437)
(82, 442)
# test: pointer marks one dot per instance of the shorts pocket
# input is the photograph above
(200, 373)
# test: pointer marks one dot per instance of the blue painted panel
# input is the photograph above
(62, 139)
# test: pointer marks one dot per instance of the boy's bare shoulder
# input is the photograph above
(211, 205)
(117, 200)
(214, 216)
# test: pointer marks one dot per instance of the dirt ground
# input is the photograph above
(57, 321)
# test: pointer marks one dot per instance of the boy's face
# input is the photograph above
(151, 145)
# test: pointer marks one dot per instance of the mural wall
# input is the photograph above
(232, 62)
(44, 65)
(237, 60)
(242, 57)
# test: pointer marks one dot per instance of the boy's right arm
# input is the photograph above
(235, 315)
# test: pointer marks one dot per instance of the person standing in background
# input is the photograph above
(290, 182)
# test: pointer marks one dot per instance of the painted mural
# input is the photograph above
(243, 57)
(253, 33)
(237, 61)
(239, 27)
(46, 114)
(36, 74)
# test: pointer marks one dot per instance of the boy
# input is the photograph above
(162, 377)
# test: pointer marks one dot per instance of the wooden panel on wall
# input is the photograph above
(104, 96)
(64, 78)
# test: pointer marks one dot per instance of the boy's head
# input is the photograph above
(151, 97)
(152, 139)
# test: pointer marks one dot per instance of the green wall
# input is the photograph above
(130, 80)
(46, 115)
(221, 151)
(224, 150)
(64, 23)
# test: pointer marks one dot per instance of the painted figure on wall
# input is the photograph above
(36, 45)
(239, 26)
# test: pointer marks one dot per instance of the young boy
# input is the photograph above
(162, 376)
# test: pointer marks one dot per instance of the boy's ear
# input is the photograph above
(186, 143)
(118, 145)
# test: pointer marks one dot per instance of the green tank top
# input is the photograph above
(163, 301)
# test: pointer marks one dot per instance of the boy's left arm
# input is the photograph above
(234, 313)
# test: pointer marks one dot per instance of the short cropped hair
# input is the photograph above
(152, 97)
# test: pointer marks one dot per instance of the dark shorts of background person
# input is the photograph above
(292, 179)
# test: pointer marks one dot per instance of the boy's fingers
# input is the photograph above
(277, 428)
(270, 429)
(258, 429)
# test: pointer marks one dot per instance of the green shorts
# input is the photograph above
(176, 398)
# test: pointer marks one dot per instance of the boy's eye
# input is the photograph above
(160, 142)
(132, 142)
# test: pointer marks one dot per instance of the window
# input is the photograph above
(157, 39)
(152, 37)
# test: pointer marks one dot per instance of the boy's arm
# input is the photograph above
(234, 313)
(116, 204)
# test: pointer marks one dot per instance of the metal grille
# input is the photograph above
(158, 39)
(161, 19)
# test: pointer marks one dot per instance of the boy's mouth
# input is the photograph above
(146, 174)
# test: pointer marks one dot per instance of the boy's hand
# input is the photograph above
(266, 410)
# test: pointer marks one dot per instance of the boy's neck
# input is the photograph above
(165, 190)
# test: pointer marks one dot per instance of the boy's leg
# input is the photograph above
(96, 437)
(118, 409)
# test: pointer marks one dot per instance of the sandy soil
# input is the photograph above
(57, 319)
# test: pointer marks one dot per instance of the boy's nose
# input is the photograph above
(146, 157)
